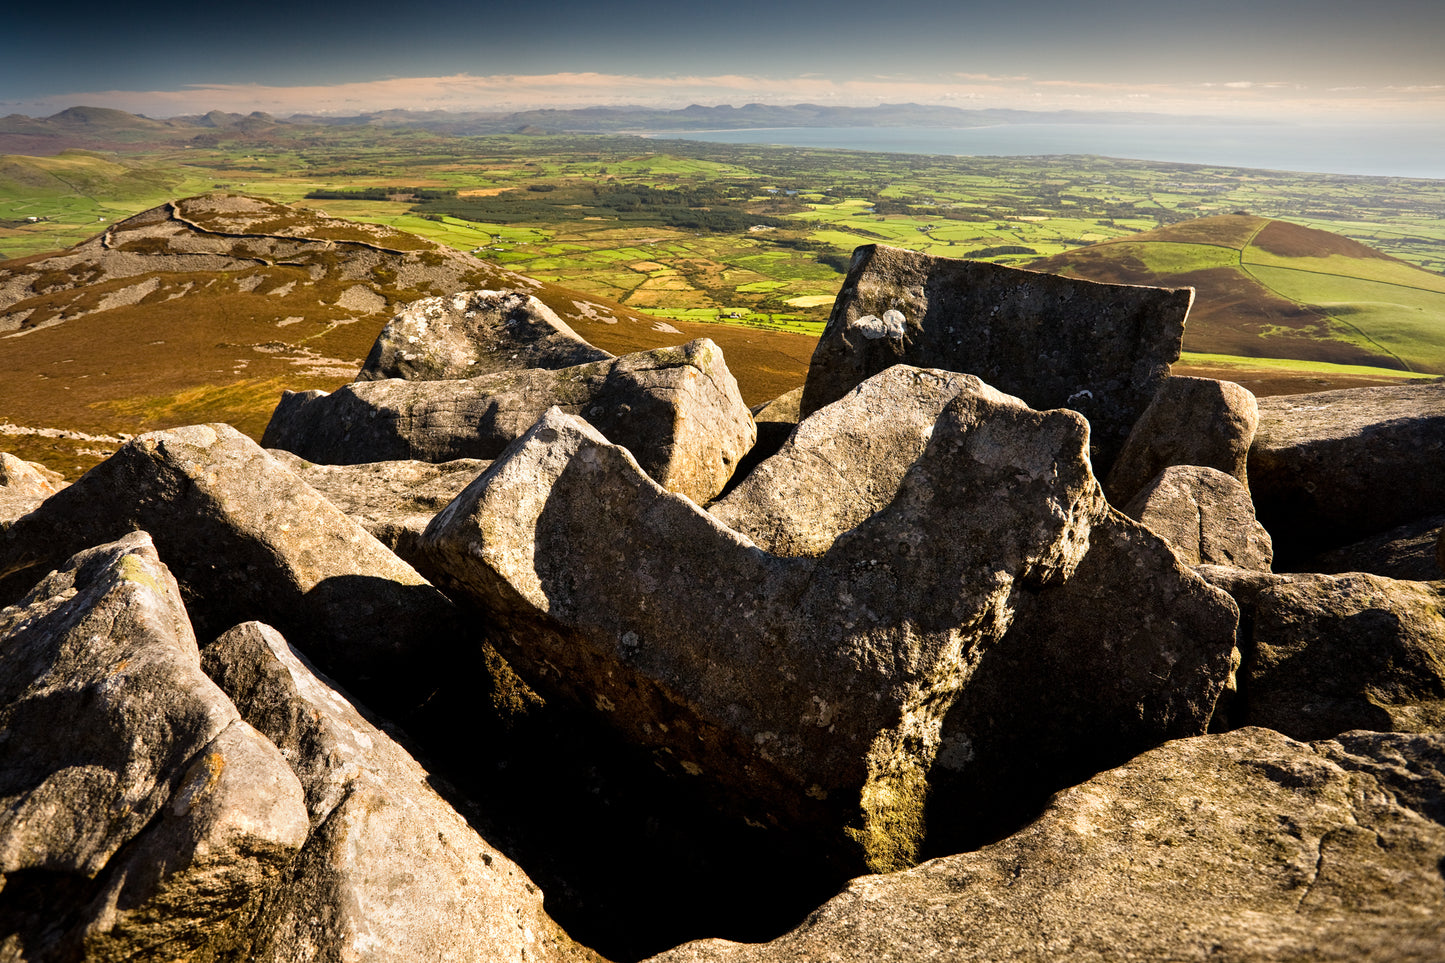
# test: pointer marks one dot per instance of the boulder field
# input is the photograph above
(973, 647)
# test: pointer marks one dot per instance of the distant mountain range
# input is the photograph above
(99, 127)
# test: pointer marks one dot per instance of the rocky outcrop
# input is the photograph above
(677, 410)
(244, 537)
(1206, 515)
(393, 500)
(1191, 421)
(1100, 349)
(1329, 468)
(1414, 552)
(390, 871)
(141, 816)
(474, 333)
(23, 486)
(808, 690)
(1247, 846)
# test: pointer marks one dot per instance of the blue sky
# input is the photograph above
(1276, 58)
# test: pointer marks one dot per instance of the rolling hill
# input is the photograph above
(1271, 289)
(205, 309)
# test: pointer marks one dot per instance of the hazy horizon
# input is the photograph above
(1281, 60)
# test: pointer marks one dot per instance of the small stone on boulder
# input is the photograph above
(1206, 515)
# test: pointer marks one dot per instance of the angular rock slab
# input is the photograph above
(1133, 650)
(1247, 847)
(677, 410)
(245, 537)
(1191, 421)
(139, 815)
(1331, 467)
(1100, 349)
(474, 333)
(1206, 515)
(390, 871)
(1413, 552)
(809, 690)
(23, 486)
(1332, 653)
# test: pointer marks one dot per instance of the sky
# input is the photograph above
(1321, 60)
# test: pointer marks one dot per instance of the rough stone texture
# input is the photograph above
(775, 421)
(246, 538)
(474, 333)
(1191, 421)
(844, 462)
(1133, 650)
(393, 500)
(1332, 653)
(1055, 342)
(24, 485)
(1329, 468)
(140, 817)
(677, 410)
(391, 871)
(1246, 847)
(1206, 515)
(809, 690)
(1412, 552)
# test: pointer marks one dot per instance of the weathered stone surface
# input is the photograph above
(1329, 468)
(393, 500)
(1055, 342)
(1191, 421)
(1246, 847)
(775, 421)
(474, 333)
(845, 462)
(1413, 552)
(244, 538)
(391, 871)
(1206, 515)
(24, 485)
(809, 690)
(677, 410)
(139, 815)
(1332, 653)
(1133, 650)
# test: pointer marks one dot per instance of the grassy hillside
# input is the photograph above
(1271, 289)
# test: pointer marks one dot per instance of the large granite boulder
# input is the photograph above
(1329, 468)
(809, 691)
(1330, 653)
(1133, 650)
(1247, 846)
(1191, 421)
(390, 871)
(1414, 552)
(1206, 515)
(393, 500)
(246, 538)
(140, 816)
(474, 333)
(23, 486)
(677, 410)
(1100, 349)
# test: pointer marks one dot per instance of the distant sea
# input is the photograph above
(1383, 150)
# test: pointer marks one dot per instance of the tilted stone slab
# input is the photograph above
(140, 817)
(390, 871)
(809, 690)
(1100, 349)
(1246, 846)
(23, 486)
(474, 333)
(677, 410)
(1191, 421)
(1412, 552)
(244, 537)
(1206, 515)
(1328, 468)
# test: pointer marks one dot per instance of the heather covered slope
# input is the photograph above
(1272, 289)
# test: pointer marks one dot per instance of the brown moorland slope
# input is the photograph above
(205, 309)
